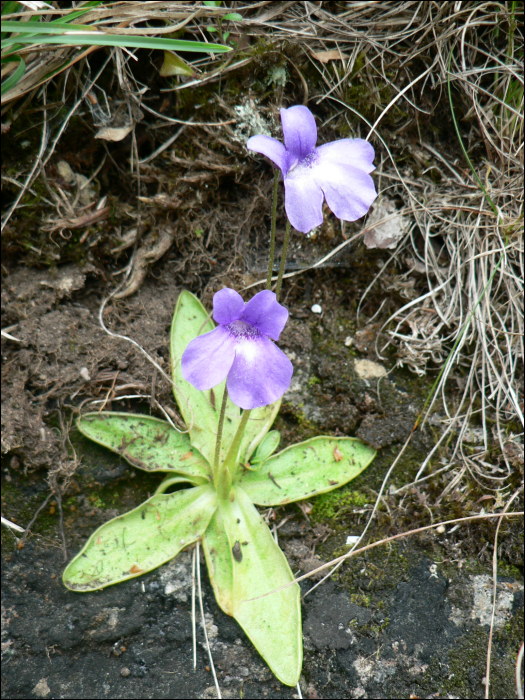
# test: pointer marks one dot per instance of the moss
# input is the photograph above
(333, 505)
(103, 477)
(376, 630)
(21, 502)
(509, 570)
(361, 599)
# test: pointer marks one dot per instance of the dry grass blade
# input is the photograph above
(386, 540)
(494, 589)
(50, 56)
(203, 621)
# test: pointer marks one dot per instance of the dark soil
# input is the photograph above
(404, 620)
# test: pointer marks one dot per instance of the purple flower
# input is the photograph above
(337, 171)
(240, 349)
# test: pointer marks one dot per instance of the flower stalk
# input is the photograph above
(224, 478)
(274, 224)
(219, 433)
(283, 260)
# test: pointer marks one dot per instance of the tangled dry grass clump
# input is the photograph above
(468, 210)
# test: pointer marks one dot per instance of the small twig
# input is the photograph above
(61, 511)
(110, 390)
(371, 517)
(7, 335)
(134, 342)
(37, 164)
(11, 526)
(35, 516)
(164, 146)
(372, 545)
(396, 98)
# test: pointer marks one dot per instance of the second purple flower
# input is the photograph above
(337, 171)
(239, 350)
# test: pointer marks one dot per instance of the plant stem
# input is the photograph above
(274, 224)
(223, 484)
(283, 259)
(219, 434)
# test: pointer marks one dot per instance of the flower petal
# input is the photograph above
(208, 358)
(300, 131)
(266, 314)
(349, 192)
(303, 201)
(355, 152)
(271, 148)
(260, 373)
(227, 306)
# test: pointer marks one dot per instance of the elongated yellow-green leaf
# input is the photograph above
(141, 540)
(145, 442)
(306, 469)
(219, 561)
(272, 623)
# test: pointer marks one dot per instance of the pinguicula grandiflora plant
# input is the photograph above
(228, 382)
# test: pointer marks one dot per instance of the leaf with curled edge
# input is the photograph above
(147, 443)
(248, 564)
(306, 469)
(142, 539)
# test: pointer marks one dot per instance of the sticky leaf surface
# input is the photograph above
(272, 623)
(145, 442)
(219, 560)
(141, 540)
(306, 469)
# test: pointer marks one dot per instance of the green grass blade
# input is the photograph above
(59, 26)
(10, 8)
(99, 39)
(15, 77)
(78, 13)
